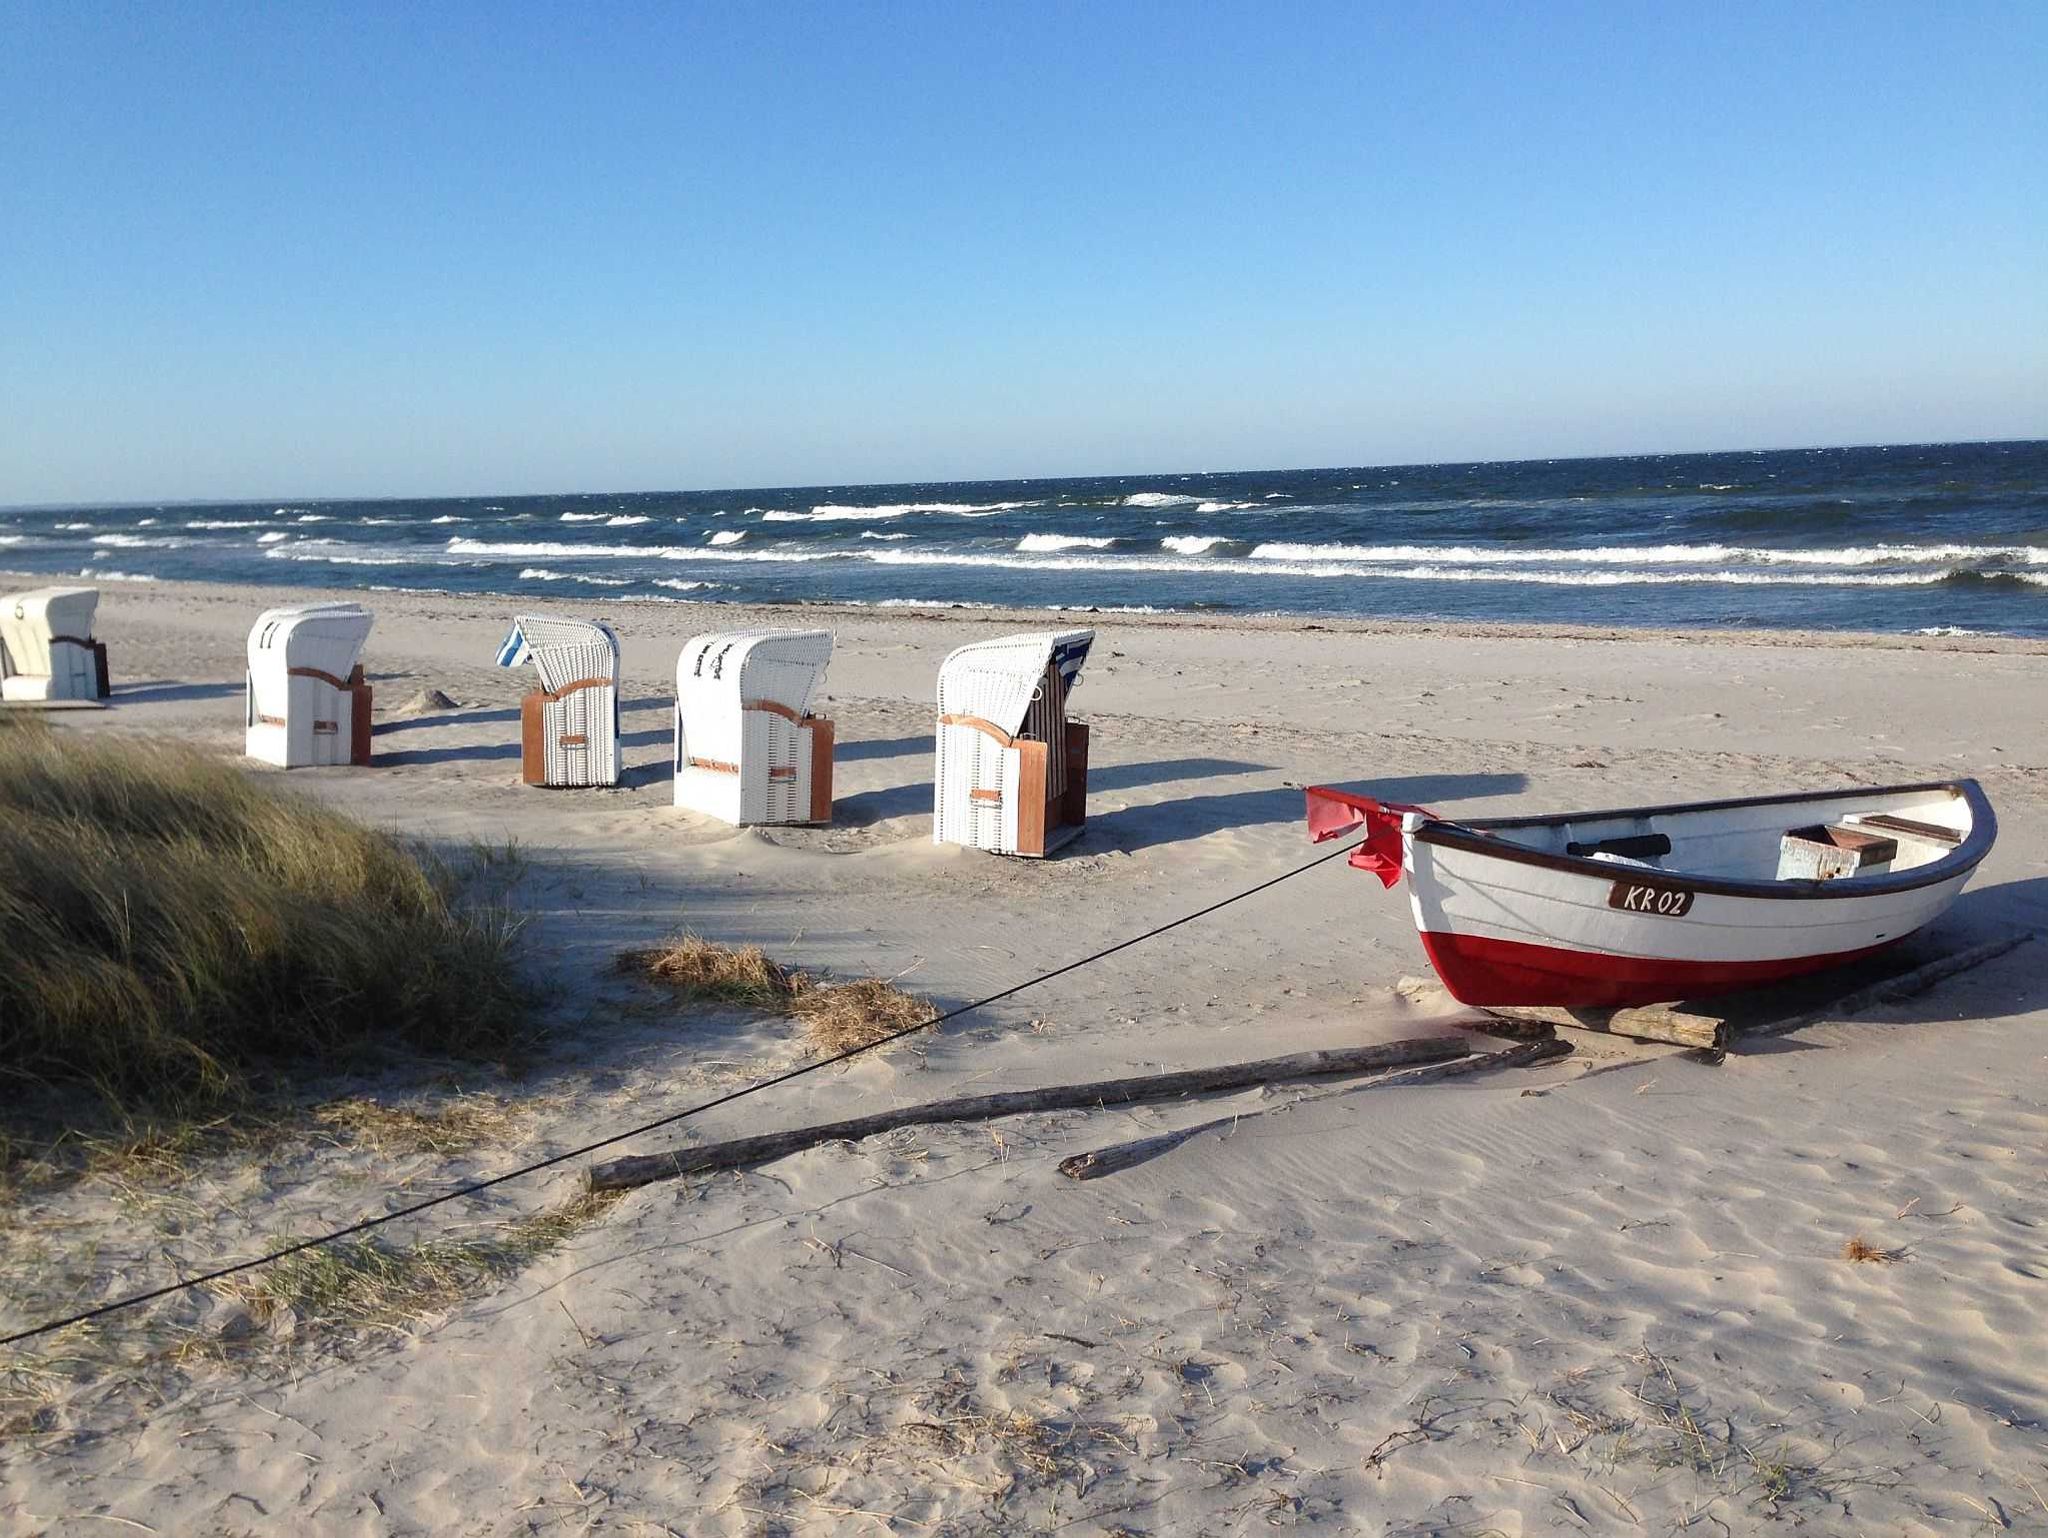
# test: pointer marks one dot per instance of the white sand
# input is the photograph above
(1603, 1296)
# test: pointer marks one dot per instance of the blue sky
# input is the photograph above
(269, 250)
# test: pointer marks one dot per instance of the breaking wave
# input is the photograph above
(1046, 542)
(1192, 544)
(542, 574)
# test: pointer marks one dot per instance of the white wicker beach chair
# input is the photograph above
(46, 647)
(307, 702)
(1012, 773)
(748, 750)
(569, 726)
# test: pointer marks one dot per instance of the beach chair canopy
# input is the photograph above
(324, 640)
(736, 667)
(563, 651)
(998, 680)
(31, 621)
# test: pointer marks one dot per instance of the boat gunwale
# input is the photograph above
(1964, 858)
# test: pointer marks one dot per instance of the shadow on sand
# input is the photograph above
(1186, 817)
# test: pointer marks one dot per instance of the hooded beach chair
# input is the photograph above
(307, 701)
(569, 726)
(1012, 773)
(748, 750)
(46, 647)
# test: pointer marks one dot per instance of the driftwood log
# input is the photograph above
(1122, 1156)
(738, 1153)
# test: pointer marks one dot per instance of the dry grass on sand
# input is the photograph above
(178, 928)
(836, 1017)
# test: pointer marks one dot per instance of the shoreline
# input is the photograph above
(1043, 617)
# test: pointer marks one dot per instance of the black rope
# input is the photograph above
(474, 1187)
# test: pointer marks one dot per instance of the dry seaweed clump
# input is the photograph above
(1861, 1249)
(836, 1017)
(176, 927)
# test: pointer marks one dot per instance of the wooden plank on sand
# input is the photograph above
(641, 1169)
(1651, 1022)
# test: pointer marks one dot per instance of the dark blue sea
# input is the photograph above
(1919, 538)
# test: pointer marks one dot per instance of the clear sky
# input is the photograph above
(424, 249)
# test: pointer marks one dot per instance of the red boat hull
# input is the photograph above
(1479, 970)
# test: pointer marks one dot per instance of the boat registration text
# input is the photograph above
(1641, 897)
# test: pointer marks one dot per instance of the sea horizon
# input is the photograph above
(1940, 538)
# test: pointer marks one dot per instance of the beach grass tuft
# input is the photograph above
(177, 929)
(836, 1017)
(370, 1283)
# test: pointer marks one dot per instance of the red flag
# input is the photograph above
(1333, 813)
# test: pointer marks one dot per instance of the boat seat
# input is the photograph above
(1636, 848)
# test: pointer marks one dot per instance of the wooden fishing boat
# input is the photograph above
(1650, 904)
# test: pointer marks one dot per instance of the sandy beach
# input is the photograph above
(1607, 1295)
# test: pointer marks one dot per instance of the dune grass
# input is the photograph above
(177, 930)
(836, 1017)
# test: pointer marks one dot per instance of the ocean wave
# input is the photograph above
(625, 520)
(104, 575)
(143, 523)
(683, 584)
(1159, 499)
(831, 512)
(728, 536)
(1192, 544)
(378, 522)
(1044, 542)
(449, 518)
(12, 539)
(272, 538)
(137, 541)
(871, 534)
(312, 518)
(1225, 507)
(544, 551)
(224, 523)
(583, 517)
(301, 553)
(68, 528)
(1655, 555)
(542, 574)
(278, 512)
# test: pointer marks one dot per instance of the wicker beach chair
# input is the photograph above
(569, 726)
(307, 702)
(46, 647)
(1012, 772)
(748, 750)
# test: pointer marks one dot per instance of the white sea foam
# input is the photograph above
(301, 553)
(1159, 499)
(312, 518)
(69, 527)
(137, 541)
(624, 520)
(12, 539)
(1225, 507)
(1048, 542)
(461, 546)
(143, 523)
(1943, 630)
(449, 518)
(583, 517)
(728, 536)
(830, 512)
(872, 534)
(682, 584)
(103, 575)
(378, 522)
(542, 574)
(279, 511)
(1653, 555)
(1192, 544)
(272, 538)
